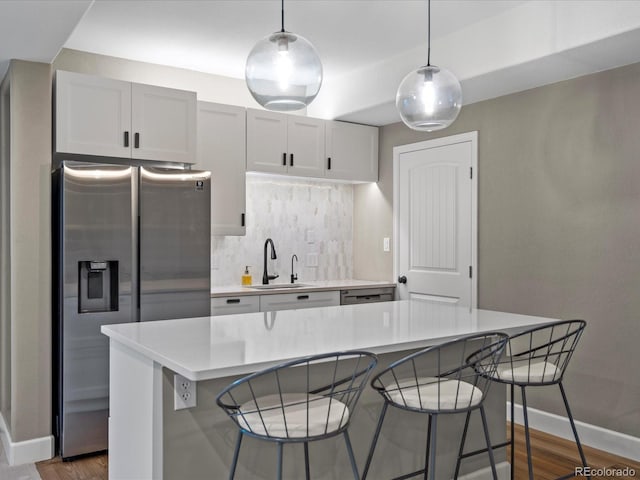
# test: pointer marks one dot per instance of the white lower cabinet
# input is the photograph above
(291, 301)
(273, 302)
(231, 305)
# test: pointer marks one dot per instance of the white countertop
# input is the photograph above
(317, 286)
(212, 347)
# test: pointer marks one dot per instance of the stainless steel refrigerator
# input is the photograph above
(131, 243)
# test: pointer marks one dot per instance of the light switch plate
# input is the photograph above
(385, 244)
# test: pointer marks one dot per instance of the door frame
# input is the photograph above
(423, 145)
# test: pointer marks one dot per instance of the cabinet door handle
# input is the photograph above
(329, 163)
(303, 297)
(242, 220)
(284, 159)
(291, 159)
(233, 300)
(126, 139)
(136, 140)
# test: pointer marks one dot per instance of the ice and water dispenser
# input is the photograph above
(97, 286)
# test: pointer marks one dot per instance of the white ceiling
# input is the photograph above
(366, 46)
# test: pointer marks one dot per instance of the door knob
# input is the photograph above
(402, 279)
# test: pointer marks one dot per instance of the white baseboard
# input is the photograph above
(28, 451)
(597, 437)
(503, 469)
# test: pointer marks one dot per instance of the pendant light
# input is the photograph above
(430, 97)
(283, 71)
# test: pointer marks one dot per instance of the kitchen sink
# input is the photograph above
(273, 286)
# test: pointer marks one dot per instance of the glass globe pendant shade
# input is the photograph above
(429, 98)
(283, 72)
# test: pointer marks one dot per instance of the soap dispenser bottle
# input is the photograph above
(246, 277)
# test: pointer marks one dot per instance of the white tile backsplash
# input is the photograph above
(304, 217)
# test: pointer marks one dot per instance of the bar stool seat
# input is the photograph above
(519, 371)
(432, 393)
(295, 415)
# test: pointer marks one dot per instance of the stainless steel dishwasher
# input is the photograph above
(366, 295)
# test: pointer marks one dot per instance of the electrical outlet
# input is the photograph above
(312, 260)
(311, 235)
(184, 392)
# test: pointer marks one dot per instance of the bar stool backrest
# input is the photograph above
(539, 356)
(451, 377)
(300, 400)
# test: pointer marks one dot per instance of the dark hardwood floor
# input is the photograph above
(552, 457)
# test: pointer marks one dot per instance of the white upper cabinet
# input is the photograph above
(222, 151)
(310, 147)
(266, 141)
(164, 123)
(352, 152)
(305, 146)
(112, 118)
(93, 115)
(280, 143)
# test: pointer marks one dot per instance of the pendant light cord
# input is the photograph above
(428, 32)
(282, 11)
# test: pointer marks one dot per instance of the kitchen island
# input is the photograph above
(148, 439)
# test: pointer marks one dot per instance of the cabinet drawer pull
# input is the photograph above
(242, 220)
(329, 163)
(291, 160)
(233, 300)
(303, 297)
(136, 140)
(284, 159)
(126, 139)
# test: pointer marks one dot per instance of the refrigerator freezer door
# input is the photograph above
(95, 222)
(175, 241)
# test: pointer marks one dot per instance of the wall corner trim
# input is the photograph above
(28, 451)
(594, 436)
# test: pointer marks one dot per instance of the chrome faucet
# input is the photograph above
(265, 276)
(293, 277)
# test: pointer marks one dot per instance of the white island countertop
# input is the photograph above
(213, 347)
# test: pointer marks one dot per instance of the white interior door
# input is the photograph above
(435, 214)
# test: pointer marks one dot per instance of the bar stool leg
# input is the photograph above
(375, 440)
(462, 441)
(352, 459)
(235, 456)
(279, 474)
(513, 432)
(573, 425)
(526, 433)
(306, 460)
(432, 455)
(489, 447)
(428, 450)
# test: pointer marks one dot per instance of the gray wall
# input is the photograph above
(26, 309)
(559, 226)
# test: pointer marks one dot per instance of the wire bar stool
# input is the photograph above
(535, 357)
(453, 377)
(299, 401)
